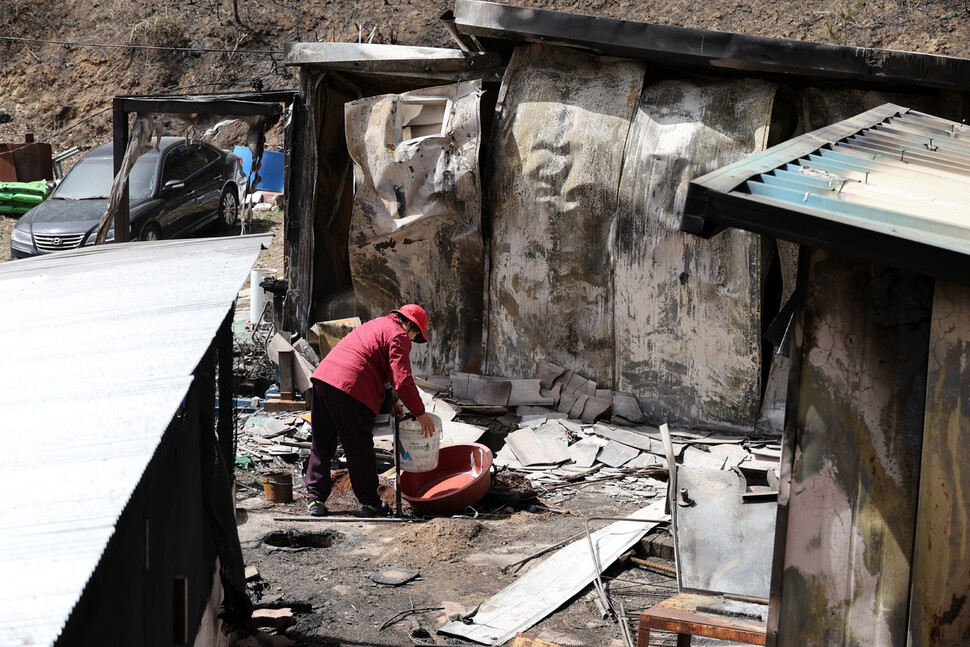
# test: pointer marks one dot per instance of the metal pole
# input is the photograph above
(397, 467)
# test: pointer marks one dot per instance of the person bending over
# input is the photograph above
(349, 387)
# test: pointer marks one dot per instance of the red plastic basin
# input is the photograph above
(461, 479)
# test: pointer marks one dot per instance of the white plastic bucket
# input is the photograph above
(257, 295)
(417, 453)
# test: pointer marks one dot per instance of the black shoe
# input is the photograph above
(375, 510)
(316, 508)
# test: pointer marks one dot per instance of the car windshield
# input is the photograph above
(91, 178)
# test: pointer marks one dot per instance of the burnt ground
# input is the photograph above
(460, 560)
(327, 584)
(60, 64)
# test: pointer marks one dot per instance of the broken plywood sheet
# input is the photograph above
(527, 392)
(553, 393)
(573, 426)
(694, 457)
(437, 406)
(616, 455)
(530, 449)
(646, 460)
(553, 431)
(733, 454)
(583, 453)
(465, 386)
(633, 439)
(527, 411)
(557, 579)
(594, 408)
(494, 392)
(566, 402)
(505, 457)
(576, 411)
(547, 373)
(460, 432)
(625, 405)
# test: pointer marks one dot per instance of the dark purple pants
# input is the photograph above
(336, 416)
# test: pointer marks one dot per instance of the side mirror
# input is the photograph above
(173, 185)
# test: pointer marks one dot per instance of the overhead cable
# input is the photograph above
(260, 52)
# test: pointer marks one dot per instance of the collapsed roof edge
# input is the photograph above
(715, 52)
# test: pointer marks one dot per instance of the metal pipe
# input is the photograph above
(659, 567)
(540, 553)
(671, 491)
(397, 466)
(596, 563)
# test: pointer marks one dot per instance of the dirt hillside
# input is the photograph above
(60, 90)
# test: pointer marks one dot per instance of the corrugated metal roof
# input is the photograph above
(99, 346)
(891, 185)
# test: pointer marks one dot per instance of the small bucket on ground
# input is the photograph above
(417, 453)
(278, 487)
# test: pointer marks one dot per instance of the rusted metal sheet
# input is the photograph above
(26, 162)
(688, 311)
(558, 155)
(415, 235)
(940, 610)
(849, 511)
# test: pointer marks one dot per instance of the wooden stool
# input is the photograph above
(691, 614)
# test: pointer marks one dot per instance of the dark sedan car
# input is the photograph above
(175, 190)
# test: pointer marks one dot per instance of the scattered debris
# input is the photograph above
(557, 579)
(273, 618)
(404, 614)
(394, 575)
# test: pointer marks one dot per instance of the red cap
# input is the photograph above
(416, 315)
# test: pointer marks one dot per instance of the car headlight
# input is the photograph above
(20, 236)
(94, 235)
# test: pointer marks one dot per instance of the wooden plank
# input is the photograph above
(553, 582)
(939, 614)
(286, 360)
(524, 640)
(709, 616)
(285, 405)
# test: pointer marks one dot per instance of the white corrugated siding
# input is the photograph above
(98, 350)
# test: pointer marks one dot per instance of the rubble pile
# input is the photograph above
(557, 431)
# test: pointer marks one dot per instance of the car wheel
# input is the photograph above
(150, 232)
(228, 208)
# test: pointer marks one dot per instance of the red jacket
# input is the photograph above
(372, 355)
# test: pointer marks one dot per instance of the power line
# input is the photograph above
(259, 52)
